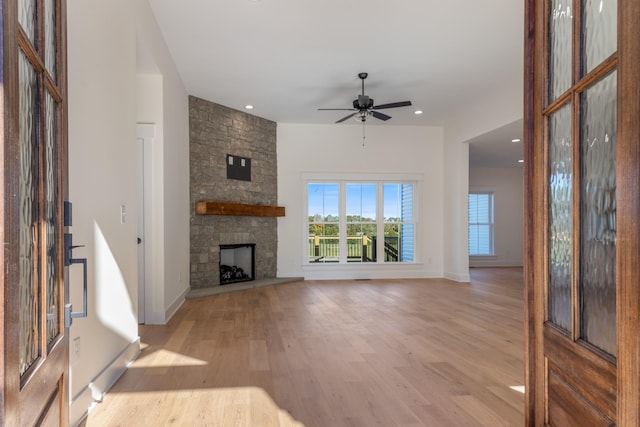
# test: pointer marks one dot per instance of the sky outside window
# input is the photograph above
(323, 202)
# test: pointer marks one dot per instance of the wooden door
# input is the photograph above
(582, 149)
(34, 185)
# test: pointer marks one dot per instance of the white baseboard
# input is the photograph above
(162, 317)
(82, 403)
(495, 263)
(457, 277)
(175, 305)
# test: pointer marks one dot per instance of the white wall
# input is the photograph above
(500, 105)
(455, 250)
(337, 149)
(102, 89)
(506, 184)
(170, 152)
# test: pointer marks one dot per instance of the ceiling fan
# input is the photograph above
(364, 107)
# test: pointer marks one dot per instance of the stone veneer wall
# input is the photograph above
(214, 132)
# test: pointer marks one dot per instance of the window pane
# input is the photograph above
(51, 43)
(560, 217)
(324, 243)
(406, 243)
(392, 203)
(361, 242)
(481, 224)
(598, 214)
(324, 202)
(27, 17)
(599, 32)
(406, 202)
(398, 202)
(560, 25)
(361, 202)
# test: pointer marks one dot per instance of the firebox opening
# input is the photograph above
(237, 263)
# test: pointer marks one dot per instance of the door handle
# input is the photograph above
(68, 261)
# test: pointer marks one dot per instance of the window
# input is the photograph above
(324, 217)
(345, 220)
(481, 224)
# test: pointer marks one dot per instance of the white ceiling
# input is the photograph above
(290, 57)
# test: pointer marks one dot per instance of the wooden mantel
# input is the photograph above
(238, 209)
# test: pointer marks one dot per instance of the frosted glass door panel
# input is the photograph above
(599, 32)
(598, 214)
(560, 217)
(560, 24)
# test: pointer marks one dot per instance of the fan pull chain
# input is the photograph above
(363, 134)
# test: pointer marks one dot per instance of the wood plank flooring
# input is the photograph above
(333, 353)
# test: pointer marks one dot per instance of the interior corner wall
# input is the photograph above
(499, 105)
(388, 152)
(455, 248)
(506, 185)
(170, 167)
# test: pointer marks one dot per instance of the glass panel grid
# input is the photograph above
(361, 211)
(598, 214)
(560, 217)
(398, 218)
(51, 220)
(28, 285)
(324, 228)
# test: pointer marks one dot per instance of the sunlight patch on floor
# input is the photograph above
(165, 358)
(518, 388)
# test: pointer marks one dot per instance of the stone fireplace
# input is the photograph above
(215, 133)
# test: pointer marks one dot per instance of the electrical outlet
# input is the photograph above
(75, 350)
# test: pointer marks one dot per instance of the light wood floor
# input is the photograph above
(333, 353)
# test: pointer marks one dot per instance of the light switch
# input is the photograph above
(123, 214)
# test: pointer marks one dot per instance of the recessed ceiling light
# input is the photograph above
(520, 161)
(417, 112)
(515, 140)
(249, 107)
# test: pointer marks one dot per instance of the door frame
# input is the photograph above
(146, 133)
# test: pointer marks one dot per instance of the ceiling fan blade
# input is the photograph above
(392, 105)
(380, 116)
(337, 109)
(346, 117)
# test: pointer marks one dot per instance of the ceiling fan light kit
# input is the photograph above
(364, 106)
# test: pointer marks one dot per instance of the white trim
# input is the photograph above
(146, 132)
(92, 394)
(362, 177)
(368, 271)
(465, 278)
(494, 263)
(175, 305)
